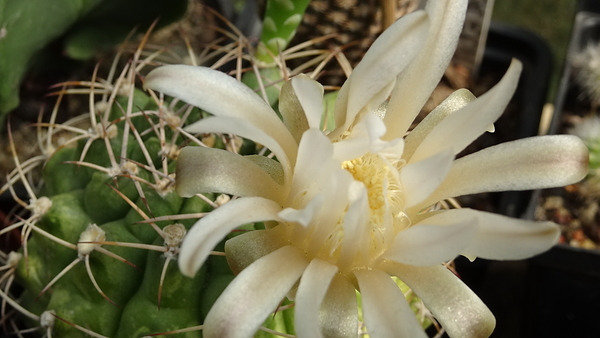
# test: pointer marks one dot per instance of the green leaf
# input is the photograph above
(282, 18)
(27, 26)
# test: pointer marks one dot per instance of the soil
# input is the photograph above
(576, 213)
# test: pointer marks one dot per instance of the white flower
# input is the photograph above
(350, 206)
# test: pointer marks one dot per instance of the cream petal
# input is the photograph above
(418, 80)
(244, 249)
(310, 95)
(498, 237)
(459, 310)
(393, 149)
(201, 170)
(451, 104)
(465, 125)
(356, 145)
(210, 230)
(421, 178)
(220, 95)
(311, 292)
(339, 314)
(373, 78)
(211, 90)
(250, 297)
(385, 309)
(232, 125)
(292, 111)
(314, 162)
(305, 215)
(501, 237)
(355, 225)
(317, 173)
(325, 228)
(365, 137)
(531, 163)
(435, 240)
(270, 166)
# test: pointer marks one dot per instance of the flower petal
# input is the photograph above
(243, 250)
(355, 225)
(531, 163)
(418, 80)
(324, 232)
(385, 309)
(250, 298)
(435, 240)
(372, 79)
(211, 229)
(301, 104)
(421, 178)
(312, 290)
(211, 90)
(220, 95)
(477, 115)
(365, 137)
(313, 165)
(459, 310)
(270, 166)
(305, 215)
(202, 170)
(339, 314)
(317, 173)
(291, 109)
(501, 237)
(232, 125)
(451, 104)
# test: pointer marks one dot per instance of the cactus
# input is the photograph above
(586, 67)
(99, 240)
(104, 224)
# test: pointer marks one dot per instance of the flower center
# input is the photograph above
(326, 237)
(380, 176)
(368, 170)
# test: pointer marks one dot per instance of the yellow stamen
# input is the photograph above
(379, 175)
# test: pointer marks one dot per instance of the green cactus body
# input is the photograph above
(92, 255)
(100, 249)
(179, 301)
(81, 195)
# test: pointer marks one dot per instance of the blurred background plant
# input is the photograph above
(84, 27)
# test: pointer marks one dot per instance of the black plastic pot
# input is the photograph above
(592, 6)
(564, 294)
(564, 283)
